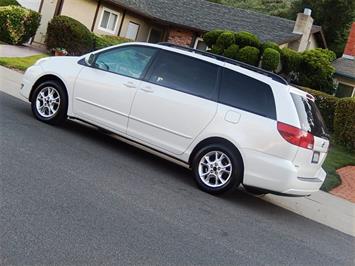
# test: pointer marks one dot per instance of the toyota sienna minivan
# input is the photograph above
(229, 122)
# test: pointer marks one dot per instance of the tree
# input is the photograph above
(335, 17)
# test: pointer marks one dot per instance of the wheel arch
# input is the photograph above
(216, 140)
(47, 77)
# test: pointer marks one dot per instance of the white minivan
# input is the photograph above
(229, 122)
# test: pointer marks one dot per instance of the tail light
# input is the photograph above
(296, 136)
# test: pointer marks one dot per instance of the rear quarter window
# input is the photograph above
(310, 117)
(243, 92)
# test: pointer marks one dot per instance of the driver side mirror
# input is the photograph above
(90, 59)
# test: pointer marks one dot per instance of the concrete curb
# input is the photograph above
(321, 207)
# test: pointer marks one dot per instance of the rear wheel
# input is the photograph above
(217, 168)
(49, 102)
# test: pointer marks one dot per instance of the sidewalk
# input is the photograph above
(321, 207)
(18, 51)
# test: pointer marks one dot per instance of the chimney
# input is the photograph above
(303, 26)
(349, 51)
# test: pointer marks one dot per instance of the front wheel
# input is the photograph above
(217, 168)
(49, 102)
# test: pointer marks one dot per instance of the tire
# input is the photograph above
(215, 176)
(49, 102)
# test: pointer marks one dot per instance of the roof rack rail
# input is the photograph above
(228, 60)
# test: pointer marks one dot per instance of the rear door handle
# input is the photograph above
(129, 85)
(147, 89)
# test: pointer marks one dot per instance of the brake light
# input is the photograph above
(296, 136)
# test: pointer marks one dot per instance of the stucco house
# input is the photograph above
(181, 21)
(345, 68)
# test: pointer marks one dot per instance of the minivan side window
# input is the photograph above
(243, 92)
(129, 61)
(185, 74)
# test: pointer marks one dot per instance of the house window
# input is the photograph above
(132, 31)
(200, 45)
(155, 35)
(109, 19)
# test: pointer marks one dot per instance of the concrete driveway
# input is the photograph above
(71, 195)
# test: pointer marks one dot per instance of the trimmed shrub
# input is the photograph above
(244, 38)
(291, 61)
(9, 3)
(344, 123)
(326, 104)
(18, 24)
(271, 45)
(249, 55)
(232, 51)
(104, 41)
(217, 49)
(271, 59)
(226, 39)
(210, 38)
(70, 34)
(316, 70)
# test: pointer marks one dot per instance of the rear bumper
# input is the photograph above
(278, 175)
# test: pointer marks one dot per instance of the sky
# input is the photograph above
(31, 4)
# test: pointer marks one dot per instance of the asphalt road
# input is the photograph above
(72, 195)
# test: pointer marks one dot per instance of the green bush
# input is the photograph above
(344, 123)
(249, 55)
(232, 51)
(210, 38)
(326, 104)
(244, 38)
(271, 59)
(18, 24)
(217, 49)
(104, 41)
(316, 70)
(9, 3)
(70, 34)
(226, 39)
(271, 45)
(291, 61)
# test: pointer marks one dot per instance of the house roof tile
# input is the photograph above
(204, 16)
(345, 67)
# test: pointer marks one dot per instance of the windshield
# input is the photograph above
(310, 118)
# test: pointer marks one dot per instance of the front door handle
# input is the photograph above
(147, 89)
(129, 85)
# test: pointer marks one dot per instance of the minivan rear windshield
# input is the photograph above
(310, 118)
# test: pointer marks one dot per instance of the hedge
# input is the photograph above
(344, 123)
(210, 38)
(9, 3)
(70, 34)
(217, 49)
(316, 70)
(249, 55)
(232, 51)
(271, 59)
(326, 104)
(18, 24)
(269, 44)
(291, 61)
(244, 38)
(226, 39)
(104, 41)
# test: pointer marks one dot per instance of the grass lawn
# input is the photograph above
(20, 63)
(337, 158)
